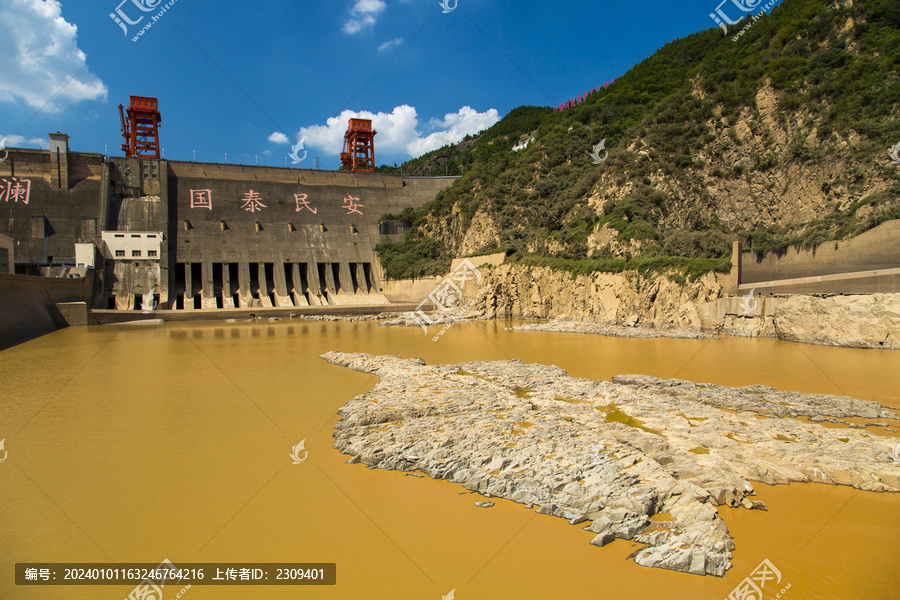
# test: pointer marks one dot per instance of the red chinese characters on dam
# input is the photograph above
(13, 190)
(302, 199)
(252, 202)
(201, 199)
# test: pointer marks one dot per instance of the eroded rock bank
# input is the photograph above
(563, 326)
(641, 458)
(657, 303)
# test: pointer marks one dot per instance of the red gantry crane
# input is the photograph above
(359, 147)
(141, 128)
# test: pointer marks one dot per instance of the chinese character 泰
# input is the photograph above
(201, 199)
(251, 201)
(17, 191)
(302, 199)
(350, 204)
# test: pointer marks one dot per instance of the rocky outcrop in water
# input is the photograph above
(641, 458)
(563, 326)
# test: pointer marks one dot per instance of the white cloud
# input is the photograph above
(40, 53)
(454, 128)
(397, 130)
(363, 14)
(18, 141)
(397, 41)
(278, 138)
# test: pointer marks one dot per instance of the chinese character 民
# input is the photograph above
(350, 204)
(302, 199)
(15, 192)
(201, 199)
(251, 201)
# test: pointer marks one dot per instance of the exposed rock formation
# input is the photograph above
(563, 326)
(854, 321)
(657, 301)
(641, 458)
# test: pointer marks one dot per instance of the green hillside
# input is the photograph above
(779, 138)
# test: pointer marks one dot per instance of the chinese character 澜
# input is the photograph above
(201, 199)
(350, 204)
(14, 190)
(251, 201)
(302, 199)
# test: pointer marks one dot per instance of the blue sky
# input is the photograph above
(252, 78)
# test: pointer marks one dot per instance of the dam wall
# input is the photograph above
(28, 303)
(866, 264)
(225, 236)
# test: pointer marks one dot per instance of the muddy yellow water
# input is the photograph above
(135, 444)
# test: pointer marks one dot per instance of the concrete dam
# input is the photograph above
(185, 236)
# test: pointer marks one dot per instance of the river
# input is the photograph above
(139, 443)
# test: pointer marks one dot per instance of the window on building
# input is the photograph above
(135, 235)
(120, 235)
(151, 235)
(120, 254)
(151, 253)
(135, 253)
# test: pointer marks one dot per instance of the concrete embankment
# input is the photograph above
(28, 305)
(641, 458)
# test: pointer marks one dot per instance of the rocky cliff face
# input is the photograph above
(653, 301)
